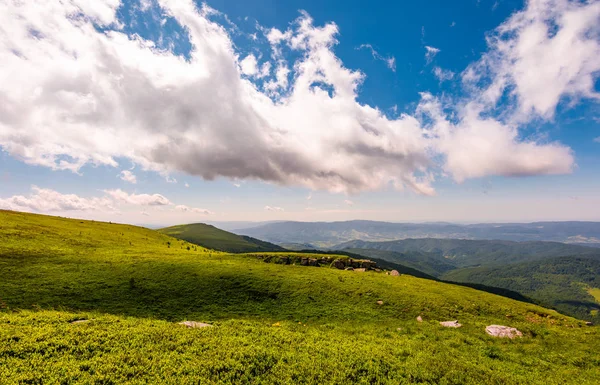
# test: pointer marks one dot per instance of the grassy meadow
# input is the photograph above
(272, 324)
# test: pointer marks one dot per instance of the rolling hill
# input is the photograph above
(213, 238)
(565, 283)
(463, 252)
(100, 303)
(327, 234)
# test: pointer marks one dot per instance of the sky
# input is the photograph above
(175, 111)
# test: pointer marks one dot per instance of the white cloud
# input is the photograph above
(390, 61)
(273, 208)
(128, 176)
(442, 74)
(138, 199)
(194, 210)
(430, 53)
(73, 94)
(249, 65)
(348, 202)
(597, 140)
(186, 185)
(545, 53)
(47, 201)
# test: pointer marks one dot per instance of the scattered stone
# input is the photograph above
(360, 270)
(380, 302)
(503, 331)
(194, 324)
(419, 319)
(312, 262)
(79, 321)
(304, 262)
(588, 323)
(394, 273)
(399, 329)
(349, 268)
(338, 264)
(377, 270)
(450, 324)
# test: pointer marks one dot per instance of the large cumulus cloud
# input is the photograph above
(75, 89)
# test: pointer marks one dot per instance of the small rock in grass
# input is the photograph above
(399, 329)
(380, 302)
(589, 323)
(451, 324)
(79, 321)
(419, 319)
(349, 268)
(194, 324)
(360, 269)
(394, 273)
(503, 331)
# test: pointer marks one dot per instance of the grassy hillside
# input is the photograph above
(217, 239)
(464, 252)
(566, 283)
(271, 323)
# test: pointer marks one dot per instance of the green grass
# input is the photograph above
(214, 238)
(594, 292)
(135, 284)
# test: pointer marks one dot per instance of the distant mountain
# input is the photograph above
(462, 252)
(213, 238)
(327, 234)
(569, 284)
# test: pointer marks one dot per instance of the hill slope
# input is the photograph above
(217, 239)
(563, 283)
(464, 252)
(271, 323)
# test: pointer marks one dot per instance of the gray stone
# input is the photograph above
(194, 324)
(394, 273)
(338, 264)
(501, 331)
(79, 321)
(451, 324)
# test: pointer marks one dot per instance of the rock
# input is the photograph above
(338, 264)
(503, 331)
(379, 302)
(355, 264)
(312, 262)
(304, 261)
(368, 264)
(419, 319)
(377, 270)
(194, 324)
(589, 323)
(324, 261)
(79, 321)
(399, 329)
(349, 268)
(361, 270)
(394, 273)
(284, 260)
(451, 324)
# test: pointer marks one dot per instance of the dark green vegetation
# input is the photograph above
(546, 272)
(284, 324)
(563, 283)
(214, 238)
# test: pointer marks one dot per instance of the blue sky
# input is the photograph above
(161, 112)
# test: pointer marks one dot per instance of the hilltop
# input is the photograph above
(129, 287)
(214, 238)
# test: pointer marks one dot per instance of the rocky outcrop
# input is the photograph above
(501, 331)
